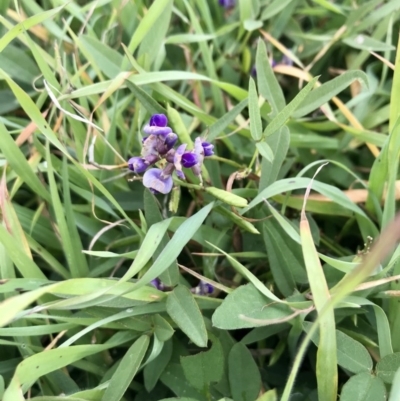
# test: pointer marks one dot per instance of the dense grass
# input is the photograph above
(270, 272)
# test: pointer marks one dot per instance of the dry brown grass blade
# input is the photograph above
(38, 30)
(355, 195)
(28, 131)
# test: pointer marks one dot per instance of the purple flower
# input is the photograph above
(199, 152)
(207, 148)
(203, 288)
(150, 147)
(154, 130)
(157, 284)
(286, 60)
(178, 160)
(170, 141)
(227, 3)
(189, 159)
(137, 164)
(157, 125)
(158, 120)
(158, 181)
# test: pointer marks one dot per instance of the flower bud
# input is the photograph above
(137, 165)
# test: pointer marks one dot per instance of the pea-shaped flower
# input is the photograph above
(158, 181)
(137, 165)
(157, 125)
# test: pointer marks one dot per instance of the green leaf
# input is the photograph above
(282, 117)
(162, 329)
(388, 366)
(395, 392)
(180, 399)
(184, 311)
(318, 97)
(174, 378)
(351, 354)
(19, 164)
(147, 23)
(225, 120)
(329, 191)
(246, 301)
(254, 111)
(154, 369)
(227, 197)
(152, 239)
(249, 275)
(268, 85)
(153, 215)
(170, 253)
(35, 366)
(145, 99)
(126, 370)
(265, 151)
(269, 395)
(74, 259)
(151, 46)
(274, 8)
(108, 60)
(364, 387)
(251, 25)
(236, 219)
(244, 375)
(364, 42)
(205, 367)
(327, 375)
(2, 387)
(329, 6)
(26, 266)
(189, 38)
(179, 127)
(287, 267)
(18, 64)
(279, 144)
(27, 24)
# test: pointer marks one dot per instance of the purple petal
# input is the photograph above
(158, 120)
(155, 180)
(203, 288)
(196, 169)
(189, 159)
(198, 147)
(178, 157)
(149, 146)
(154, 130)
(157, 284)
(208, 148)
(137, 164)
(170, 140)
(227, 3)
(180, 174)
(206, 287)
(286, 60)
(180, 150)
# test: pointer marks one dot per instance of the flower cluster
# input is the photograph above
(202, 289)
(159, 145)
